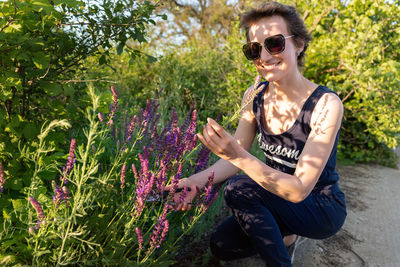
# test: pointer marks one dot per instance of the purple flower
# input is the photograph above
(58, 196)
(190, 138)
(2, 180)
(66, 195)
(160, 230)
(175, 179)
(161, 177)
(70, 162)
(135, 173)
(144, 173)
(210, 193)
(183, 195)
(202, 159)
(36, 205)
(31, 231)
(164, 233)
(131, 128)
(113, 108)
(139, 237)
(123, 171)
(208, 188)
(100, 116)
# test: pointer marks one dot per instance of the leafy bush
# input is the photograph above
(43, 44)
(98, 211)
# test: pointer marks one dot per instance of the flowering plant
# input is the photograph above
(108, 205)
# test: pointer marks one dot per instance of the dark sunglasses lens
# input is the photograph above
(275, 44)
(252, 50)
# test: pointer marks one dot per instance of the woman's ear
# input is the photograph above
(300, 46)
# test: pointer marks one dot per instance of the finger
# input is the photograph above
(217, 128)
(210, 136)
(203, 140)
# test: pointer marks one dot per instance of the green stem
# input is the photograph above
(77, 197)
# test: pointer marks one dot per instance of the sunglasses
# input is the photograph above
(274, 45)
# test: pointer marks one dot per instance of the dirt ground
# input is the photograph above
(371, 233)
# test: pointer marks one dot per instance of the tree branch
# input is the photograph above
(316, 22)
(81, 81)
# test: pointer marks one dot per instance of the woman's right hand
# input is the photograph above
(192, 189)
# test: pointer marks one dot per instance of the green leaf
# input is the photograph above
(30, 130)
(18, 203)
(41, 60)
(52, 89)
(42, 252)
(102, 60)
(120, 48)
(69, 90)
(15, 184)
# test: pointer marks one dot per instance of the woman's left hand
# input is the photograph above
(220, 142)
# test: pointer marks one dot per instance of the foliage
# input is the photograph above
(355, 51)
(98, 211)
(193, 77)
(42, 46)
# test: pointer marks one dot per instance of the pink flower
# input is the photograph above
(100, 116)
(139, 237)
(113, 108)
(123, 171)
(36, 205)
(70, 162)
(135, 173)
(66, 195)
(2, 180)
(58, 196)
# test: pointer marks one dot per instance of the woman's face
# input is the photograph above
(274, 67)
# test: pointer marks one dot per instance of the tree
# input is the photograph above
(43, 43)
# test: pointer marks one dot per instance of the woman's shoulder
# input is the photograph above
(328, 107)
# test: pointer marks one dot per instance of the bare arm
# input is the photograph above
(325, 123)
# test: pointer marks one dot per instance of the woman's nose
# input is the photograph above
(265, 55)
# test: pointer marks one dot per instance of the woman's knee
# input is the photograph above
(239, 188)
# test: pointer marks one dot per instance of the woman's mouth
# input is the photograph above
(269, 67)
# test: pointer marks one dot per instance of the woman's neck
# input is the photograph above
(292, 90)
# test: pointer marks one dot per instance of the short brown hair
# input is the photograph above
(292, 18)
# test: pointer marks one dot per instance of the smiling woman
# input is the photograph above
(295, 191)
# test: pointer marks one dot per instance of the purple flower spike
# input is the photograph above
(70, 163)
(135, 173)
(36, 205)
(66, 195)
(123, 171)
(100, 116)
(202, 159)
(160, 230)
(175, 179)
(2, 180)
(131, 128)
(207, 193)
(31, 231)
(164, 233)
(58, 196)
(139, 237)
(113, 108)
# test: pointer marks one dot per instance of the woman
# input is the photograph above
(295, 192)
